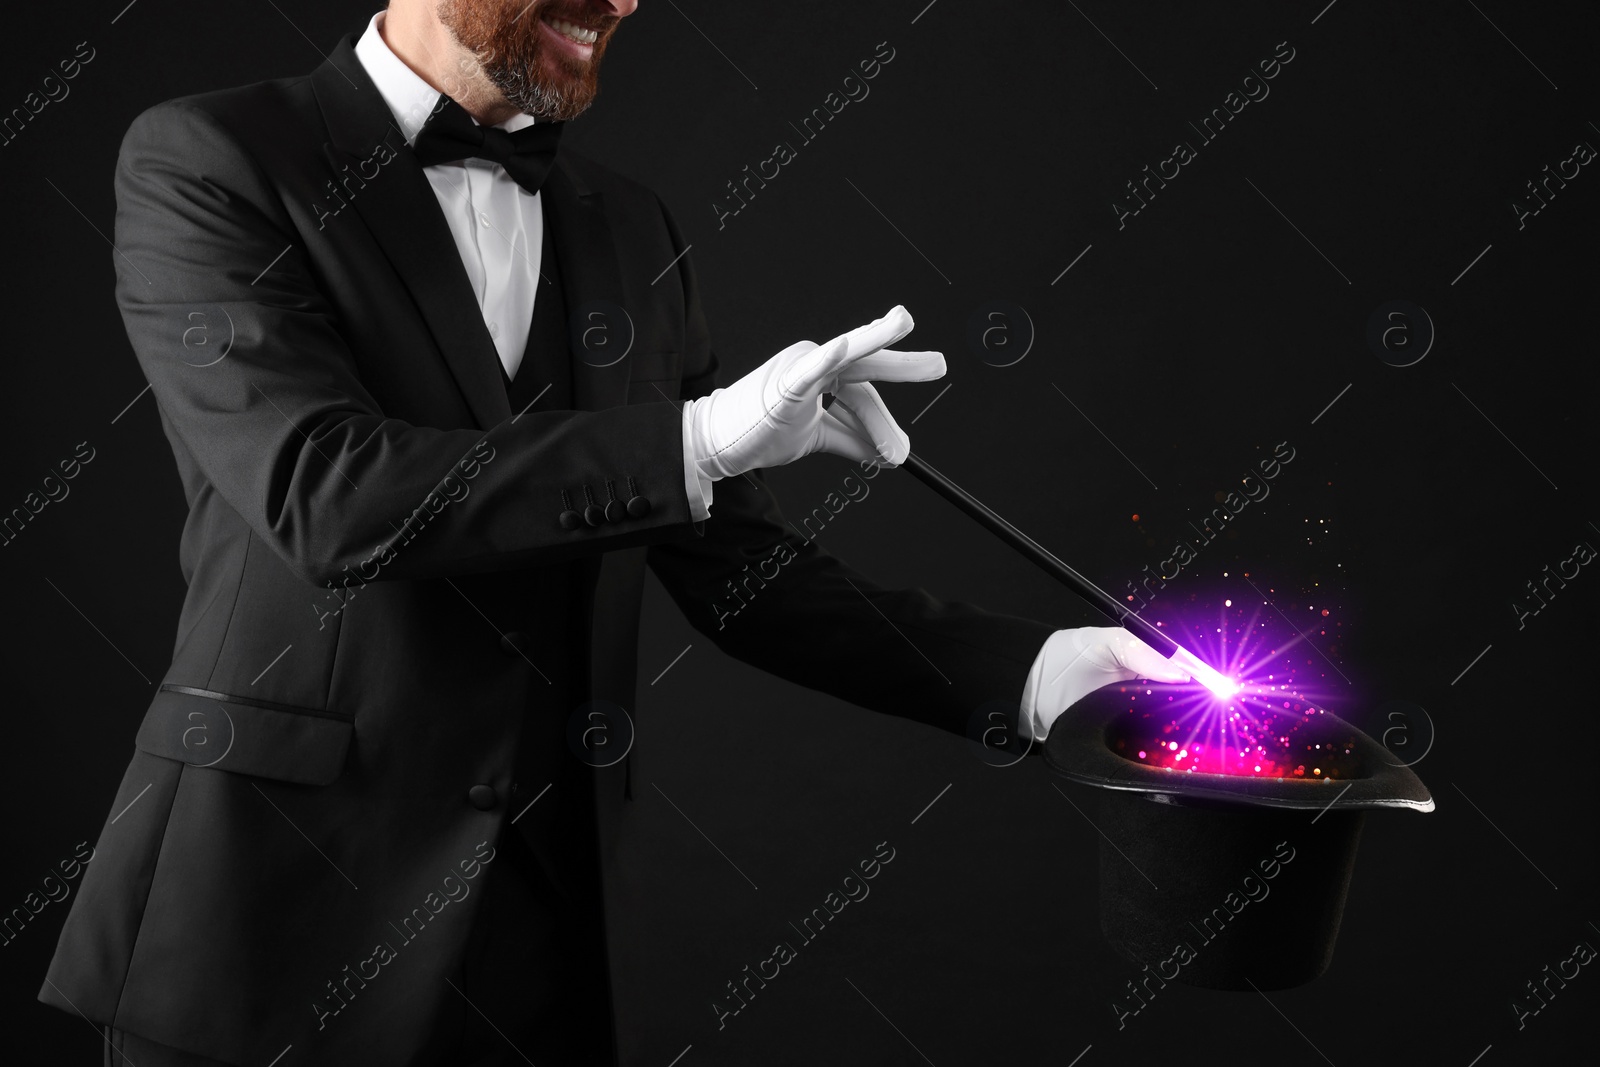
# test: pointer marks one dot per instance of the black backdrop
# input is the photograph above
(1183, 342)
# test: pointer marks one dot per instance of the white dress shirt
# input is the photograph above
(497, 225)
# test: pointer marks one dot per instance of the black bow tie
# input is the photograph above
(450, 135)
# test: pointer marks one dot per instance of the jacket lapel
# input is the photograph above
(582, 239)
(402, 212)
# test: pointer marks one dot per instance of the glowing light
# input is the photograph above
(1262, 743)
(1220, 684)
(1253, 709)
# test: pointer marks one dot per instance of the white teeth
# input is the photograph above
(573, 32)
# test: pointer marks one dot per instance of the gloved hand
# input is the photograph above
(774, 414)
(1074, 663)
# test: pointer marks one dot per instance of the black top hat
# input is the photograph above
(1227, 880)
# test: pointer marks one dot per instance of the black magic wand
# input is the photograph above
(1118, 612)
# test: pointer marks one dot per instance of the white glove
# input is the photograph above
(1074, 663)
(774, 414)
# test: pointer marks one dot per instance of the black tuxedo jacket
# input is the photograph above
(371, 627)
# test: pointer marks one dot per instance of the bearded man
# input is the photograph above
(438, 393)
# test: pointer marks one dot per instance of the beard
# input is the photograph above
(536, 76)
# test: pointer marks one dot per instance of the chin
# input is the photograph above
(551, 95)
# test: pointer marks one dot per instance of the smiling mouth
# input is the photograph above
(572, 31)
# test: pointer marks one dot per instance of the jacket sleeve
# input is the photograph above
(763, 592)
(767, 595)
(284, 430)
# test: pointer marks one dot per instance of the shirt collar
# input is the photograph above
(409, 97)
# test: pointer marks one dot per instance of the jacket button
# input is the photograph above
(594, 515)
(639, 507)
(570, 520)
(481, 797)
(515, 643)
(615, 512)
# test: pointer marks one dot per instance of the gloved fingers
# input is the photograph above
(790, 354)
(838, 437)
(810, 375)
(890, 365)
(858, 406)
(865, 340)
(807, 374)
(1146, 662)
(1207, 675)
(781, 365)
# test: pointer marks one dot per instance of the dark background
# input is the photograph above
(984, 161)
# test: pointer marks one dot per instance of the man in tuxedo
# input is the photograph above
(438, 392)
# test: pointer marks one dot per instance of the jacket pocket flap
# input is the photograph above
(246, 736)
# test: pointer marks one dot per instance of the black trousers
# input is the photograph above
(532, 983)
